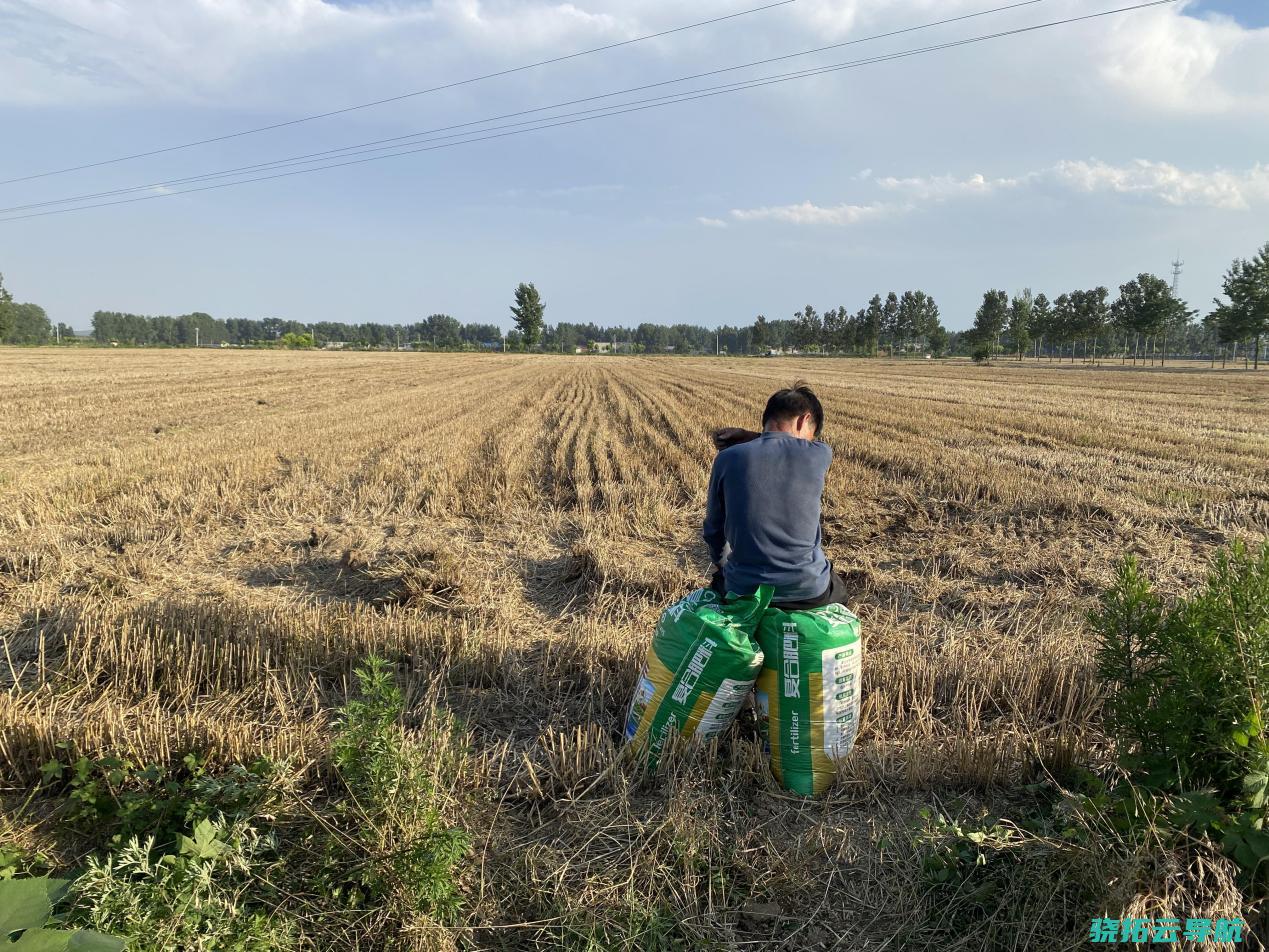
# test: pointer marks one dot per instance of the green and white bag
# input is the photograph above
(808, 693)
(701, 666)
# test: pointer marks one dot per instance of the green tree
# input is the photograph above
(872, 322)
(528, 312)
(1065, 325)
(1246, 316)
(760, 338)
(938, 340)
(835, 328)
(989, 321)
(297, 341)
(1041, 321)
(30, 325)
(442, 331)
(928, 325)
(1019, 327)
(1146, 306)
(1089, 318)
(890, 319)
(6, 312)
(808, 328)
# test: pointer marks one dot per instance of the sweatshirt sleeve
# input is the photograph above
(715, 513)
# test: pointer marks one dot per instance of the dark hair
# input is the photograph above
(793, 402)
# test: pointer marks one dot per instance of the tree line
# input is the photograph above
(22, 323)
(1146, 321)
(187, 330)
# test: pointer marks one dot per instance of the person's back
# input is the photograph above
(762, 522)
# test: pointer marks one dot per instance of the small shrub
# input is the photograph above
(114, 799)
(196, 899)
(403, 848)
(982, 354)
(1187, 689)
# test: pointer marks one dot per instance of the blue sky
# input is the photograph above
(1068, 158)
(1252, 13)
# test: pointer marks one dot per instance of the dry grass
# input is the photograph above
(196, 548)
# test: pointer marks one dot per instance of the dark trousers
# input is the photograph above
(835, 594)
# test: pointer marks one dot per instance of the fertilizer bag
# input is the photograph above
(700, 668)
(808, 693)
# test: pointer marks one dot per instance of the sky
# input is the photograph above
(1057, 159)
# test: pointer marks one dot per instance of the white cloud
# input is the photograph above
(807, 213)
(191, 50)
(1167, 183)
(1166, 60)
(711, 222)
(1159, 182)
(941, 187)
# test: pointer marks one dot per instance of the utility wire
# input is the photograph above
(401, 141)
(624, 108)
(402, 96)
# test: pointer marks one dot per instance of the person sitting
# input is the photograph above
(762, 519)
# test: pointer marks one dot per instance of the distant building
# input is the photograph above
(612, 347)
(334, 345)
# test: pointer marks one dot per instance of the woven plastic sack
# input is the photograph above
(701, 666)
(808, 693)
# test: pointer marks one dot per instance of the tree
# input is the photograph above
(1065, 325)
(989, 321)
(872, 322)
(761, 336)
(1090, 312)
(1019, 329)
(1246, 316)
(1041, 321)
(30, 325)
(1146, 305)
(807, 328)
(835, 321)
(293, 341)
(442, 331)
(6, 312)
(890, 319)
(528, 311)
(907, 320)
(937, 337)
(928, 325)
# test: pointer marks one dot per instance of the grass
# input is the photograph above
(198, 550)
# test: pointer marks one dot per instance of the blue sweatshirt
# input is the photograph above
(762, 521)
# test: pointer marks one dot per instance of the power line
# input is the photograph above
(401, 141)
(402, 96)
(624, 108)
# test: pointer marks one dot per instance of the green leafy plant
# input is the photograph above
(402, 847)
(116, 798)
(27, 922)
(959, 849)
(196, 899)
(16, 861)
(1186, 697)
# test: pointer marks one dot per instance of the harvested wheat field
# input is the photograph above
(197, 550)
